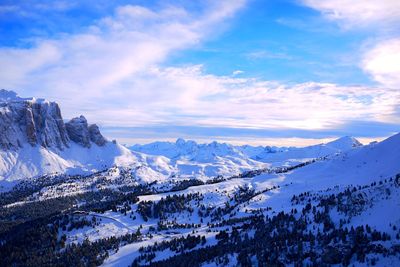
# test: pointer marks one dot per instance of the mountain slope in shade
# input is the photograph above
(34, 161)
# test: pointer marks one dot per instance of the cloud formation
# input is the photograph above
(382, 19)
(359, 13)
(382, 62)
(115, 73)
(99, 62)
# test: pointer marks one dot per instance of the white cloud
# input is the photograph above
(188, 96)
(382, 63)
(380, 18)
(358, 13)
(114, 74)
(237, 72)
(97, 63)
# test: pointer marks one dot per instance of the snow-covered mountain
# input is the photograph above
(191, 151)
(159, 205)
(314, 211)
(34, 140)
(201, 160)
(294, 155)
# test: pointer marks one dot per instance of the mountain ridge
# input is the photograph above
(194, 151)
(35, 140)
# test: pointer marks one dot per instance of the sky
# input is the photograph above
(267, 72)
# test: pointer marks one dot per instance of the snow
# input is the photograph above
(25, 156)
(357, 165)
(360, 165)
(342, 163)
(8, 96)
(32, 161)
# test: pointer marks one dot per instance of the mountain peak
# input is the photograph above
(82, 133)
(180, 141)
(345, 142)
(6, 95)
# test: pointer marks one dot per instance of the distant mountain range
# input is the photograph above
(35, 140)
(191, 151)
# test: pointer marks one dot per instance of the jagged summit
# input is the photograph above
(11, 96)
(81, 133)
(189, 149)
(35, 140)
(37, 122)
(6, 95)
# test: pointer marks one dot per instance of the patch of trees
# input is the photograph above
(308, 237)
(283, 240)
(178, 245)
(182, 185)
(168, 205)
(37, 243)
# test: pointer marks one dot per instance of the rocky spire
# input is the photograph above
(80, 132)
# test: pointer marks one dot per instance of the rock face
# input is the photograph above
(95, 135)
(78, 131)
(30, 121)
(81, 133)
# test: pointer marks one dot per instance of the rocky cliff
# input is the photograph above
(81, 133)
(37, 122)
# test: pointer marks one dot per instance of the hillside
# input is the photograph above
(333, 210)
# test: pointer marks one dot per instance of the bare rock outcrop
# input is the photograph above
(30, 121)
(96, 136)
(78, 131)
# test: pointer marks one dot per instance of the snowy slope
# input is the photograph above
(359, 166)
(356, 167)
(270, 193)
(34, 161)
(295, 155)
(35, 140)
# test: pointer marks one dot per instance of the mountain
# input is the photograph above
(353, 191)
(190, 151)
(362, 165)
(336, 211)
(34, 140)
(201, 160)
(161, 205)
(295, 155)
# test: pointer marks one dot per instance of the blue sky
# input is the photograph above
(289, 72)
